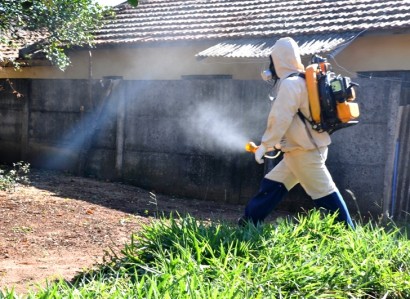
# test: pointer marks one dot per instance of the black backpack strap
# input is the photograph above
(301, 116)
(301, 75)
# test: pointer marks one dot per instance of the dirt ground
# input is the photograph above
(60, 224)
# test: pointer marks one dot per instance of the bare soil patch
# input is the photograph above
(61, 224)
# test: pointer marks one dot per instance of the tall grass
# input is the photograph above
(310, 256)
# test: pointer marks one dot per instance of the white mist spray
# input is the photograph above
(218, 128)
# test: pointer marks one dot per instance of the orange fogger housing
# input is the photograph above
(313, 92)
(346, 110)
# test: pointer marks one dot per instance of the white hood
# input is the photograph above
(286, 57)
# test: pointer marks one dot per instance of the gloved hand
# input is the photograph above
(260, 152)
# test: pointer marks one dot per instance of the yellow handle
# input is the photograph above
(252, 147)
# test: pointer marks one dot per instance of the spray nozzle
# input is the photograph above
(252, 148)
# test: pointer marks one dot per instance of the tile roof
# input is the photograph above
(247, 28)
(25, 40)
(244, 28)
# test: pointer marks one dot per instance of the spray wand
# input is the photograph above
(252, 148)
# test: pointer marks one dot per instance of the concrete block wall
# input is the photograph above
(359, 155)
(11, 118)
(186, 137)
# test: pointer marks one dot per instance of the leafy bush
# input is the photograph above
(9, 178)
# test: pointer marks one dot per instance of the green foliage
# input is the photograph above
(9, 178)
(308, 257)
(133, 2)
(64, 23)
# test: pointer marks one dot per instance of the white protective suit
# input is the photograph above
(304, 159)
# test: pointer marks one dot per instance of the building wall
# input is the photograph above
(143, 63)
(377, 53)
(171, 61)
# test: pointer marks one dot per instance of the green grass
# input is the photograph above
(307, 257)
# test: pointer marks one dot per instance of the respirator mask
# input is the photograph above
(270, 74)
(271, 78)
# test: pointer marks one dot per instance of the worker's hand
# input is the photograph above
(260, 152)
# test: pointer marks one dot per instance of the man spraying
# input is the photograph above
(305, 150)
